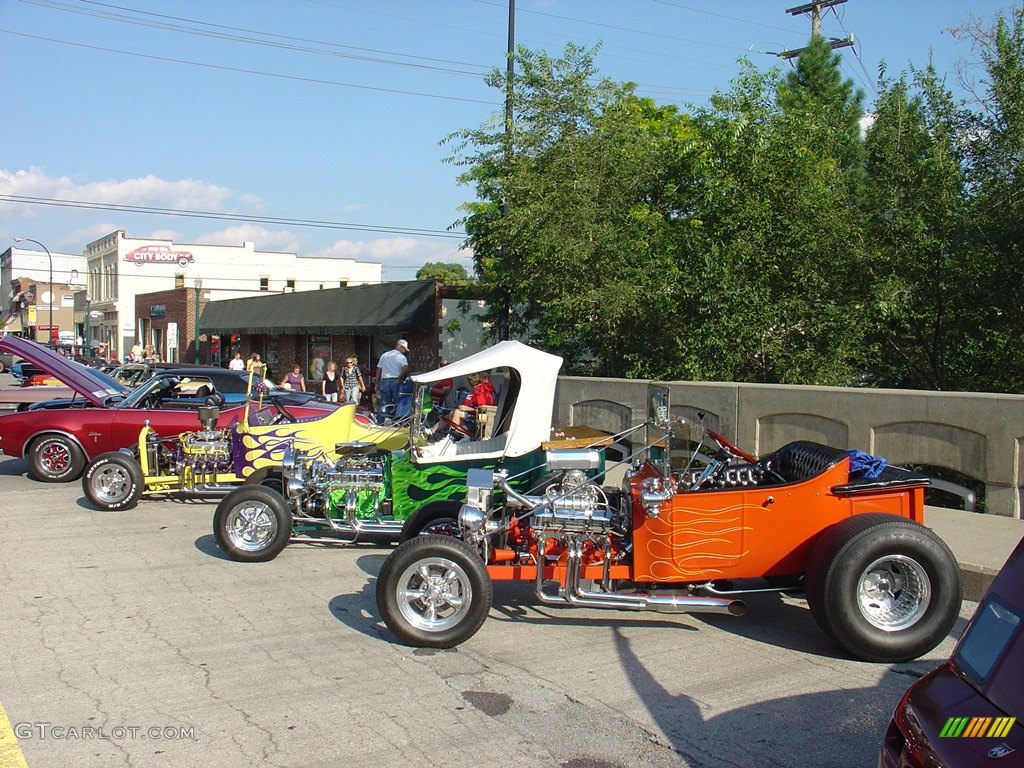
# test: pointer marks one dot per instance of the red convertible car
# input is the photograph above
(105, 415)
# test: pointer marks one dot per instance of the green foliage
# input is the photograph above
(449, 273)
(913, 205)
(762, 238)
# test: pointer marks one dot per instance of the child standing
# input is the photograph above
(352, 380)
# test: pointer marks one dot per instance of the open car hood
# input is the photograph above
(80, 378)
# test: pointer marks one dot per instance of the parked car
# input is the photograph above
(211, 462)
(966, 712)
(103, 415)
(232, 386)
(23, 372)
(512, 499)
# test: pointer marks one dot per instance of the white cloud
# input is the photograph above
(149, 191)
(163, 234)
(395, 251)
(401, 257)
(263, 239)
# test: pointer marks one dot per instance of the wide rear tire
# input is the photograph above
(113, 481)
(434, 592)
(252, 524)
(883, 587)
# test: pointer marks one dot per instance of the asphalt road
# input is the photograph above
(131, 641)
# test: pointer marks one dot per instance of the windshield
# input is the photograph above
(106, 379)
(146, 390)
(987, 638)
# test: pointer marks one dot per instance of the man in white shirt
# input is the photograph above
(392, 370)
(237, 364)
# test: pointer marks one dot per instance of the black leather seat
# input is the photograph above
(802, 460)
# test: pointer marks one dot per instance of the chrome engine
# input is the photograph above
(572, 522)
(574, 505)
(204, 455)
(347, 494)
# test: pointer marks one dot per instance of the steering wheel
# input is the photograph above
(283, 411)
(457, 427)
(727, 445)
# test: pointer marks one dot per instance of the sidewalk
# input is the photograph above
(981, 543)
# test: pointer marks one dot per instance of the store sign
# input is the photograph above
(158, 310)
(159, 254)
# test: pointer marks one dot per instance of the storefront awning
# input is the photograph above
(359, 310)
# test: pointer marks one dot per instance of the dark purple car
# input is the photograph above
(965, 713)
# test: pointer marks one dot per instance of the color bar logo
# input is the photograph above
(977, 727)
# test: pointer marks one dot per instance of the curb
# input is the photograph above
(976, 580)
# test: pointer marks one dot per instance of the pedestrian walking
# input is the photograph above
(331, 383)
(295, 380)
(352, 380)
(392, 370)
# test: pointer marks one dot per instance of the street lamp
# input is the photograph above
(198, 283)
(30, 240)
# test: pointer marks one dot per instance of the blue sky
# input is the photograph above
(334, 110)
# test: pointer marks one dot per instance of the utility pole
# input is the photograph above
(814, 9)
(505, 309)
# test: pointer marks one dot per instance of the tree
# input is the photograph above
(913, 205)
(996, 210)
(777, 250)
(570, 208)
(817, 90)
(449, 273)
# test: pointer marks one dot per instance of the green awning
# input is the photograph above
(362, 310)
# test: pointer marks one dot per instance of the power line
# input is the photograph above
(313, 223)
(479, 69)
(242, 70)
(619, 28)
(725, 16)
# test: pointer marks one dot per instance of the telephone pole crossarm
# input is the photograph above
(835, 42)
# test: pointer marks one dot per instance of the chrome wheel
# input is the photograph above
(434, 594)
(251, 526)
(111, 484)
(55, 457)
(893, 593)
(443, 526)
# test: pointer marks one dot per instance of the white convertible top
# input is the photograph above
(538, 374)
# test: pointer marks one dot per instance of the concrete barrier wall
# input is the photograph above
(977, 434)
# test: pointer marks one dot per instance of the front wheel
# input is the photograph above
(113, 481)
(883, 587)
(433, 592)
(55, 459)
(252, 524)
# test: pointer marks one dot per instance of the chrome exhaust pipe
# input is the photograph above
(572, 594)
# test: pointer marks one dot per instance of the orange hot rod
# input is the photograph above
(688, 530)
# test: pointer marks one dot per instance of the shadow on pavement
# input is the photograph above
(208, 546)
(839, 727)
